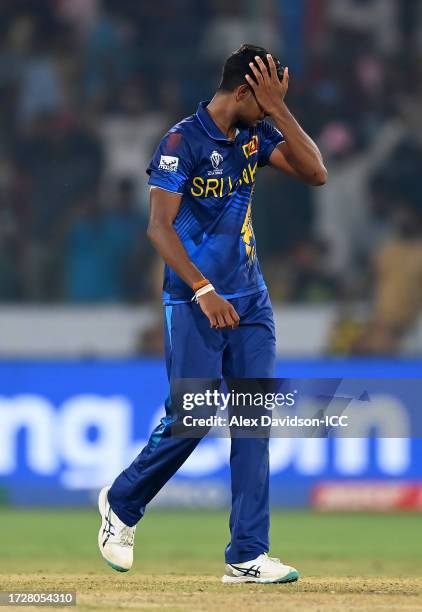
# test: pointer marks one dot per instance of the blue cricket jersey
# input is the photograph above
(216, 178)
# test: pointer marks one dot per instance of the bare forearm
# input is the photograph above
(170, 248)
(301, 150)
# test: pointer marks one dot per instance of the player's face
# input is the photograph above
(249, 111)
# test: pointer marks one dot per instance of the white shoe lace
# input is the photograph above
(274, 559)
(127, 536)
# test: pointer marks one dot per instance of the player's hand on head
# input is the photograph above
(268, 89)
(219, 311)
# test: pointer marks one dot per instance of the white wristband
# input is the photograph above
(202, 291)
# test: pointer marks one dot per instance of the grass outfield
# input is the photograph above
(347, 561)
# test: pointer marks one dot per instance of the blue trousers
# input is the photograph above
(194, 350)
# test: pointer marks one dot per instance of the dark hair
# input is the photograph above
(237, 65)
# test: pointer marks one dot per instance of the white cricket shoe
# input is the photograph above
(263, 569)
(115, 539)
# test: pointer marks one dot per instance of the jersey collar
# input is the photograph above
(208, 124)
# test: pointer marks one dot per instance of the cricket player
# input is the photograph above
(218, 317)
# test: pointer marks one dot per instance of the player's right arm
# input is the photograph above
(164, 206)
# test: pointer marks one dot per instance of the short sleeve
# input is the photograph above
(172, 163)
(269, 138)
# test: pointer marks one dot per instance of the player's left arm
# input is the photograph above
(298, 155)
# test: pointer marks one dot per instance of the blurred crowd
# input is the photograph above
(87, 88)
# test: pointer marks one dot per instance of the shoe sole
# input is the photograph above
(290, 577)
(102, 501)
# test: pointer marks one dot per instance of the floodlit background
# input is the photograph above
(87, 89)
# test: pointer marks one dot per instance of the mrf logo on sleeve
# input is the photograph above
(169, 163)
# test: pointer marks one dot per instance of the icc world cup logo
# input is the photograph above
(216, 159)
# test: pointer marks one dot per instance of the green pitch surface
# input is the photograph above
(347, 562)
